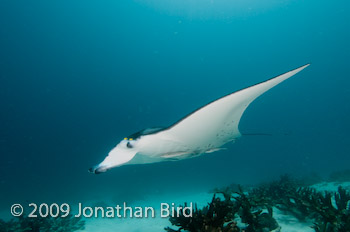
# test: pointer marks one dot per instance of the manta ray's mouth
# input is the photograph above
(97, 169)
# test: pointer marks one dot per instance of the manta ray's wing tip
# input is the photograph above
(304, 66)
(294, 71)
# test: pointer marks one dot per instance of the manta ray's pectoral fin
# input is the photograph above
(175, 154)
(217, 122)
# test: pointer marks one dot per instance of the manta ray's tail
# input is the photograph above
(254, 134)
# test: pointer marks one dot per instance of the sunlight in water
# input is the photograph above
(205, 9)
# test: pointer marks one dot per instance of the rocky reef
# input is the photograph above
(40, 224)
(252, 210)
(215, 217)
(222, 214)
(332, 211)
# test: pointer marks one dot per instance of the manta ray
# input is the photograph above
(205, 130)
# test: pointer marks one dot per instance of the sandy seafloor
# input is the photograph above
(288, 223)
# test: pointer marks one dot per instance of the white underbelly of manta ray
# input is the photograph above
(204, 131)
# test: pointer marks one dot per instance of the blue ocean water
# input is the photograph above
(76, 77)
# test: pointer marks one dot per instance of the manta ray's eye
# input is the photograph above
(129, 145)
